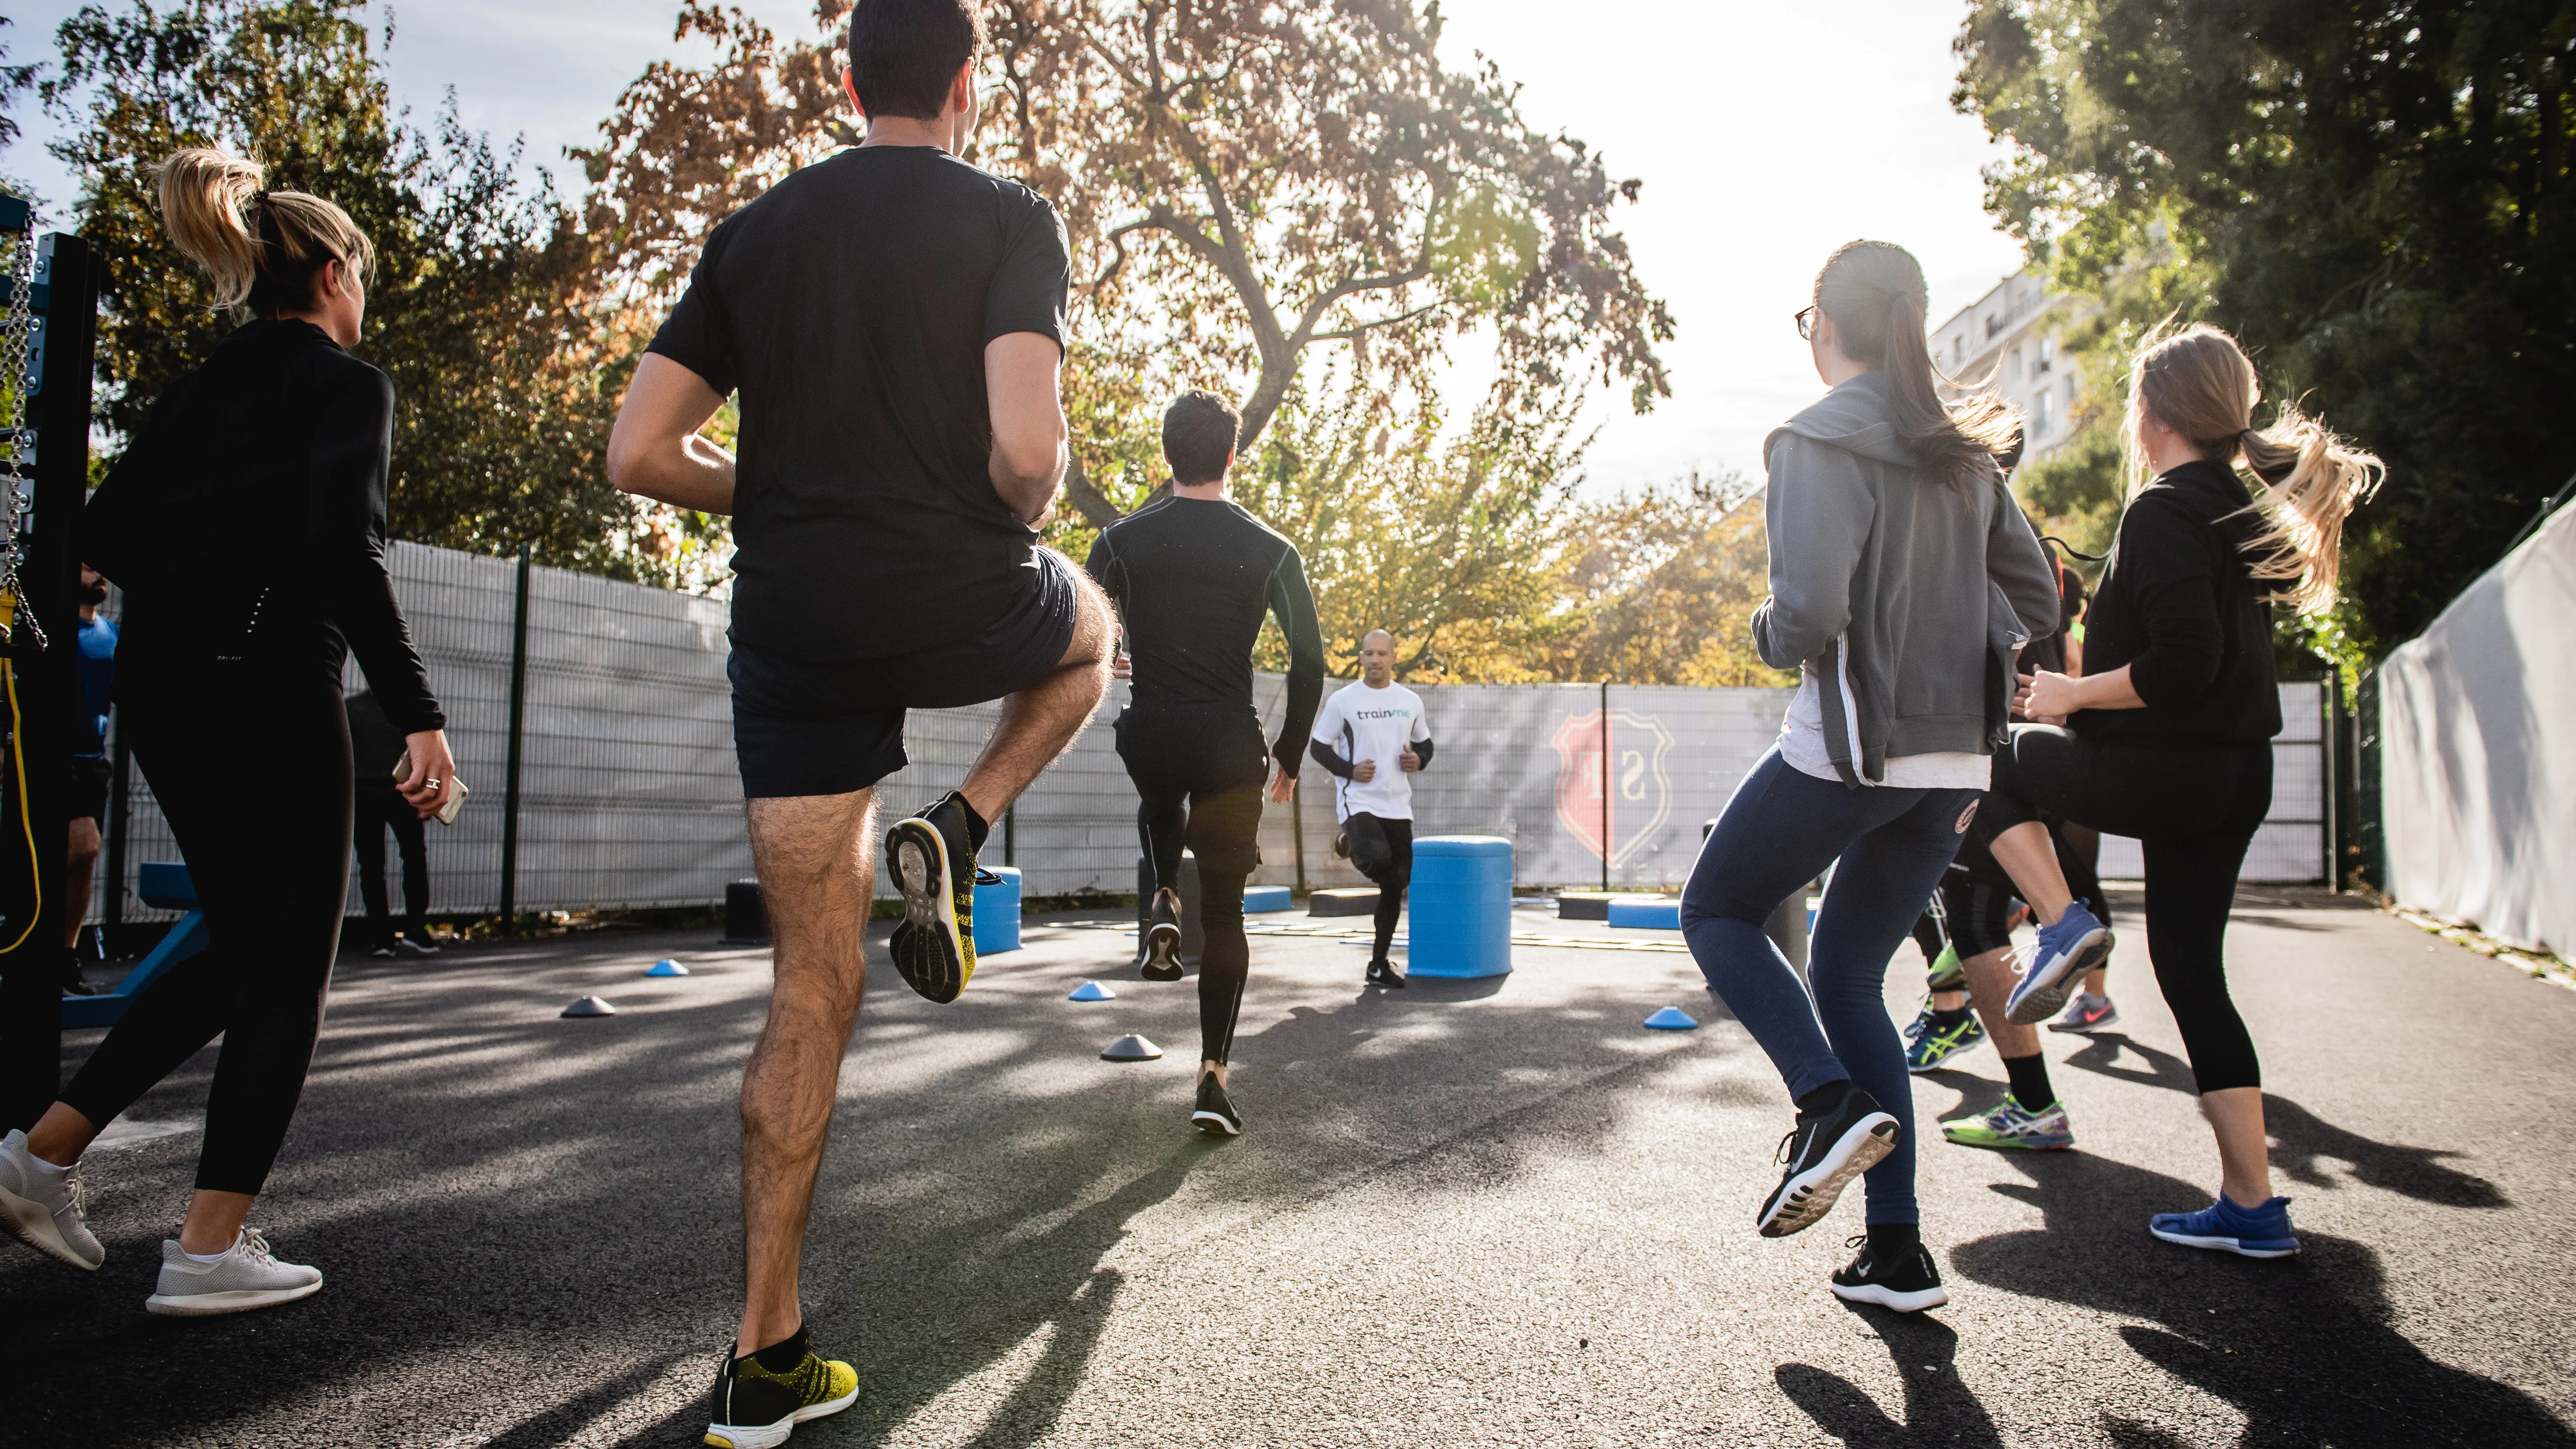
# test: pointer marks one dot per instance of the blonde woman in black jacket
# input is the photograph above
(246, 525)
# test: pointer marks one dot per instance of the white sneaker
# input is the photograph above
(44, 1208)
(247, 1277)
(418, 948)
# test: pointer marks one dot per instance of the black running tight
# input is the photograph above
(1383, 851)
(2194, 812)
(253, 774)
(1198, 779)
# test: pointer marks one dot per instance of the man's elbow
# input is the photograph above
(625, 472)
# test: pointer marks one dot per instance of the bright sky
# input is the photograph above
(1766, 135)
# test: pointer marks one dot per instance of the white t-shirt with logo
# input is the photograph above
(1360, 723)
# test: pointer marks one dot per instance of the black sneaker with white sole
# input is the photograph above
(1907, 1282)
(932, 859)
(1825, 1151)
(1383, 973)
(1215, 1114)
(1163, 938)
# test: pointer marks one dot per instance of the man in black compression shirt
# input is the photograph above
(1192, 577)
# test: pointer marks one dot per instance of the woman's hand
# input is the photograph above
(2047, 696)
(431, 776)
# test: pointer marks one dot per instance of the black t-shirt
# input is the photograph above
(2179, 605)
(849, 307)
(1192, 579)
(2050, 653)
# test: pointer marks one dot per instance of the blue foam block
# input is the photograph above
(1092, 991)
(1257, 899)
(997, 912)
(666, 968)
(1461, 907)
(1672, 1018)
(1651, 915)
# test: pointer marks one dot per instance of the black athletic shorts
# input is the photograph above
(89, 786)
(803, 728)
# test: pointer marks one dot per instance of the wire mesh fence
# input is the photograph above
(627, 794)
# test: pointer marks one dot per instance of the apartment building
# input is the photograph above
(2008, 339)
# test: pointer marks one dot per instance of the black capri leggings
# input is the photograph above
(253, 775)
(2194, 810)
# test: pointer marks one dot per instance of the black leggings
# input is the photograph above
(2194, 811)
(253, 776)
(1198, 781)
(377, 812)
(1383, 851)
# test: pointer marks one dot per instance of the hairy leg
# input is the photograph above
(1039, 723)
(1991, 979)
(815, 858)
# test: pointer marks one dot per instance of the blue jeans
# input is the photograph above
(1779, 832)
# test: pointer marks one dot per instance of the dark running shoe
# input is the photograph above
(1215, 1114)
(1163, 938)
(932, 859)
(1907, 1282)
(1825, 1151)
(757, 1407)
(1383, 973)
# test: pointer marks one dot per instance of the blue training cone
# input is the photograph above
(1672, 1018)
(666, 967)
(1092, 991)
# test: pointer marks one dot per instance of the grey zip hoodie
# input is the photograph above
(1904, 598)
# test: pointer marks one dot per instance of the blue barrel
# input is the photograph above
(997, 912)
(1461, 906)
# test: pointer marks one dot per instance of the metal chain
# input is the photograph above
(17, 342)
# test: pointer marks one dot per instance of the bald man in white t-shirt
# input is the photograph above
(1373, 737)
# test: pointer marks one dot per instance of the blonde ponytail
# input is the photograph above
(2198, 382)
(260, 249)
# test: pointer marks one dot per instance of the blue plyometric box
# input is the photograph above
(165, 884)
(1649, 914)
(1257, 899)
(1461, 906)
(997, 912)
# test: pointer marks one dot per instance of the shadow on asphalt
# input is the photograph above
(2305, 1347)
(1939, 1409)
(493, 1183)
(2301, 1139)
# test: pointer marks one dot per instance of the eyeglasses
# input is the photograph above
(1805, 317)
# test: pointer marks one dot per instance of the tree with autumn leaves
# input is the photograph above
(1303, 206)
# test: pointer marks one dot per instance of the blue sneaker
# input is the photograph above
(2259, 1232)
(2075, 945)
(1936, 1044)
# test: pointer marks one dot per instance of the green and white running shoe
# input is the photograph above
(1947, 973)
(1939, 1043)
(2009, 1125)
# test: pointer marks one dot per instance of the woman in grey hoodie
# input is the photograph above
(1903, 580)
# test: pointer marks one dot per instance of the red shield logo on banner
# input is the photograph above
(1616, 821)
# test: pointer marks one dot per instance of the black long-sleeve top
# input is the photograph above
(1192, 579)
(2179, 605)
(247, 521)
(1331, 759)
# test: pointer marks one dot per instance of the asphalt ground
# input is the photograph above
(1493, 1212)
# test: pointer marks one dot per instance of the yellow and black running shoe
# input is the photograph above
(932, 859)
(757, 1406)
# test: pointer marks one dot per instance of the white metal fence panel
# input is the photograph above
(629, 795)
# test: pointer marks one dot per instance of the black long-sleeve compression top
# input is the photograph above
(248, 518)
(1331, 759)
(1192, 579)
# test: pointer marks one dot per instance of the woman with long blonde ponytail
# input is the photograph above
(246, 525)
(2168, 735)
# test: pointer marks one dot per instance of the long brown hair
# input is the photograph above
(1874, 292)
(2198, 382)
(260, 249)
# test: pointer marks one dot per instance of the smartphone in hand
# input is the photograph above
(448, 812)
